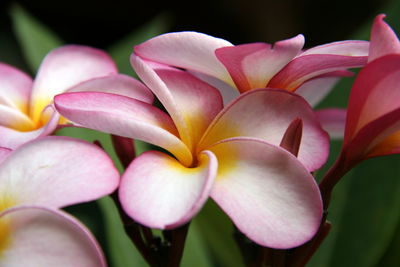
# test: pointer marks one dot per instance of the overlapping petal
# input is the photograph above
(333, 120)
(316, 89)
(65, 67)
(176, 90)
(188, 50)
(372, 123)
(43, 237)
(56, 172)
(15, 88)
(159, 192)
(116, 84)
(266, 114)
(383, 39)
(123, 116)
(253, 65)
(267, 192)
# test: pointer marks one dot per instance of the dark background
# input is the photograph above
(100, 23)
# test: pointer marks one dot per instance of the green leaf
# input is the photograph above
(391, 258)
(217, 230)
(195, 252)
(121, 50)
(35, 39)
(123, 252)
(371, 213)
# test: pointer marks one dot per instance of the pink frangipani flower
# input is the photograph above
(311, 73)
(35, 180)
(373, 120)
(25, 105)
(373, 114)
(232, 154)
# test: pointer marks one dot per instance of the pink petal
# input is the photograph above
(266, 114)
(383, 39)
(159, 192)
(56, 172)
(228, 92)
(4, 152)
(45, 237)
(270, 196)
(116, 84)
(15, 88)
(375, 92)
(306, 67)
(316, 89)
(188, 50)
(12, 138)
(123, 116)
(378, 138)
(333, 121)
(191, 103)
(251, 66)
(65, 67)
(352, 48)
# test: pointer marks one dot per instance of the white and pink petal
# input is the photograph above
(191, 103)
(188, 50)
(65, 67)
(12, 138)
(57, 172)
(159, 192)
(125, 117)
(266, 114)
(119, 84)
(15, 88)
(270, 196)
(38, 236)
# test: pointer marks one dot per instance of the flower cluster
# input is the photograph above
(237, 124)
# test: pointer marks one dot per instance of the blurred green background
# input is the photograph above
(365, 210)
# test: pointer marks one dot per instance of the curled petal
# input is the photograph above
(383, 39)
(15, 88)
(65, 67)
(253, 65)
(266, 114)
(56, 172)
(267, 193)
(123, 116)
(38, 236)
(159, 192)
(116, 84)
(188, 50)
